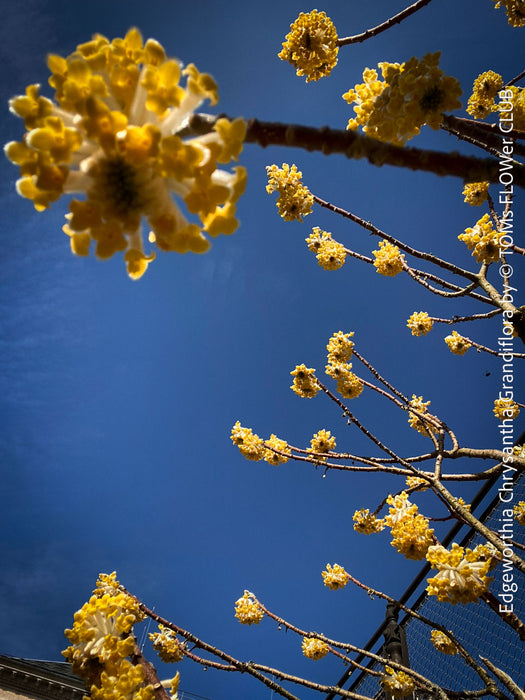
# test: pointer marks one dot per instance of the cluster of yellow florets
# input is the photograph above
(485, 243)
(506, 408)
(340, 347)
(101, 640)
(247, 610)
(476, 193)
(335, 577)
(515, 10)
(398, 683)
(411, 534)
(275, 443)
(113, 137)
(411, 94)
(295, 200)
(255, 448)
(314, 649)
(443, 643)
(250, 445)
(304, 382)
(388, 259)
(330, 254)
(167, 646)
(462, 576)
(366, 522)
(311, 46)
(322, 442)
(519, 512)
(348, 384)
(420, 323)
(422, 426)
(416, 482)
(457, 343)
(483, 99)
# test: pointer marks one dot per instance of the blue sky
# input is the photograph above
(117, 398)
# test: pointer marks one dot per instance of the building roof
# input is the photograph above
(40, 679)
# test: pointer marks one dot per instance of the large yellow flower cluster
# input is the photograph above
(397, 683)
(304, 382)
(322, 442)
(388, 259)
(167, 646)
(112, 136)
(330, 254)
(311, 45)
(255, 448)
(247, 611)
(420, 323)
(101, 640)
(335, 577)
(482, 102)
(410, 95)
(411, 534)
(457, 344)
(314, 649)
(340, 347)
(462, 576)
(366, 522)
(485, 243)
(295, 199)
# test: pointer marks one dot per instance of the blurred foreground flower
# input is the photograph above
(111, 134)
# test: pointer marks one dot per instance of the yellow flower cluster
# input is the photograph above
(398, 683)
(366, 522)
(506, 408)
(304, 382)
(462, 576)
(515, 10)
(420, 323)
(443, 643)
(482, 101)
(330, 254)
(476, 193)
(519, 512)
(411, 534)
(167, 646)
(255, 448)
(484, 242)
(323, 441)
(348, 384)
(340, 347)
(411, 94)
(274, 443)
(250, 445)
(295, 199)
(388, 259)
(311, 45)
(126, 683)
(247, 611)
(314, 649)
(335, 577)
(422, 426)
(101, 640)
(111, 134)
(416, 481)
(457, 343)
